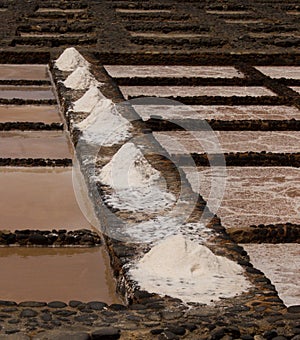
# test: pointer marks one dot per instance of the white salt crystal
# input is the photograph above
(189, 271)
(70, 59)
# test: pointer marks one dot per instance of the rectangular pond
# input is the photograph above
(251, 196)
(30, 113)
(39, 198)
(56, 274)
(35, 144)
(281, 264)
(24, 72)
(178, 142)
(194, 91)
(26, 92)
(218, 112)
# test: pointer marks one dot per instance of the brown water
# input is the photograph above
(34, 144)
(49, 274)
(39, 198)
(44, 198)
(23, 72)
(26, 92)
(29, 113)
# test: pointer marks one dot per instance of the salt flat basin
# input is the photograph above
(39, 198)
(172, 35)
(34, 144)
(26, 92)
(132, 10)
(290, 72)
(252, 196)
(24, 72)
(118, 71)
(29, 113)
(281, 264)
(60, 10)
(192, 91)
(178, 142)
(218, 112)
(51, 274)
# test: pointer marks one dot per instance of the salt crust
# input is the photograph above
(189, 271)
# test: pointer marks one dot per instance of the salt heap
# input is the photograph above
(81, 79)
(89, 100)
(70, 59)
(189, 271)
(135, 182)
(104, 126)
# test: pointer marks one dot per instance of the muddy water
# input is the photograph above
(281, 264)
(26, 92)
(23, 72)
(29, 113)
(39, 198)
(49, 274)
(34, 144)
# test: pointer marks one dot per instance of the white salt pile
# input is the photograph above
(189, 271)
(89, 100)
(135, 182)
(70, 59)
(81, 79)
(104, 126)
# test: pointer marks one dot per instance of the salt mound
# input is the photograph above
(128, 167)
(80, 79)
(89, 100)
(70, 59)
(135, 182)
(189, 271)
(104, 126)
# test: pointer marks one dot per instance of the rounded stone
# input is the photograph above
(107, 333)
(32, 304)
(96, 305)
(74, 303)
(28, 313)
(57, 304)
